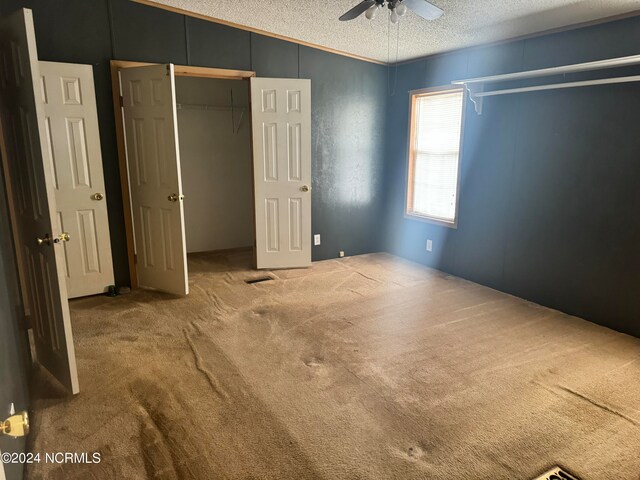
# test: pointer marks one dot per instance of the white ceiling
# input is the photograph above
(465, 22)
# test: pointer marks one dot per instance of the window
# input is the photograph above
(434, 154)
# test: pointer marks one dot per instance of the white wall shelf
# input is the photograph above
(475, 86)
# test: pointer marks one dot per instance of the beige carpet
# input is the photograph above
(368, 367)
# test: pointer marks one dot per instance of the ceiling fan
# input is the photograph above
(397, 8)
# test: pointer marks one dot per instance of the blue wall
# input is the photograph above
(349, 103)
(549, 195)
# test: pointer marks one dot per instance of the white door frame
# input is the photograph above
(180, 71)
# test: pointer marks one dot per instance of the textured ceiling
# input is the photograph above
(465, 22)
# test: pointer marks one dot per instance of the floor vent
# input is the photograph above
(258, 280)
(557, 473)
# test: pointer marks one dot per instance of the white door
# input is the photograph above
(153, 159)
(30, 173)
(281, 122)
(73, 141)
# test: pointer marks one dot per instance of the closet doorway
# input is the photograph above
(211, 159)
(214, 127)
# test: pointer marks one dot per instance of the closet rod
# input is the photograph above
(561, 70)
(555, 86)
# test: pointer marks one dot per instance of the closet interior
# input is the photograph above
(214, 128)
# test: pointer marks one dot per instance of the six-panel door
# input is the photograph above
(33, 198)
(153, 158)
(281, 121)
(73, 141)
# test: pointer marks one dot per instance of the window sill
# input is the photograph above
(434, 221)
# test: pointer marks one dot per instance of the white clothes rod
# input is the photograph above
(561, 70)
(475, 86)
(555, 86)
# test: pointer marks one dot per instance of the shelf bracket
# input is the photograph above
(473, 90)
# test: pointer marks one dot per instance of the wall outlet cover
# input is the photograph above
(429, 245)
(341, 254)
(316, 239)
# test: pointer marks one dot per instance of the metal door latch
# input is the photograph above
(16, 425)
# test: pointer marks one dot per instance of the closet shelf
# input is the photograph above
(475, 86)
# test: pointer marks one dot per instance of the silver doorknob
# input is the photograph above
(44, 241)
(97, 196)
(305, 188)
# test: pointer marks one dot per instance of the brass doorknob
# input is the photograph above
(63, 237)
(305, 188)
(44, 241)
(16, 425)
(97, 196)
(174, 198)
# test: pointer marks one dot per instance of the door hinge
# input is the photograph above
(121, 101)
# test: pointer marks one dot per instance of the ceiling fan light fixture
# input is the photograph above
(371, 12)
(397, 9)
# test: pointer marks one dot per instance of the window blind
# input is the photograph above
(436, 150)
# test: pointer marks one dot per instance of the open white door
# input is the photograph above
(2, 476)
(153, 160)
(281, 122)
(30, 173)
(73, 141)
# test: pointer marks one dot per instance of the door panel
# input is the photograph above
(24, 135)
(281, 118)
(151, 131)
(73, 144)
(14, 346)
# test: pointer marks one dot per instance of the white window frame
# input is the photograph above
(409, 183)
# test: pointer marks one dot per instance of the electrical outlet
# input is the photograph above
(429, 245)
(341, 254)
(316, 239)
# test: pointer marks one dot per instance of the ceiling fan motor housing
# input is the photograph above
(398, 8)
(391, 4)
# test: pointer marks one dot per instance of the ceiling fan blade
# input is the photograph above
(358, 10)
(424, 9)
